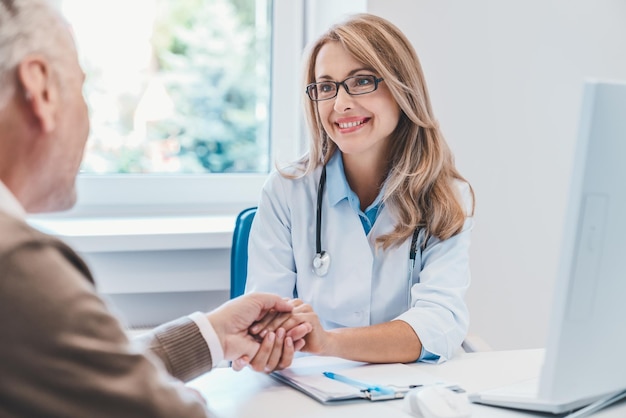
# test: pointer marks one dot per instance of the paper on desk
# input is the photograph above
(306, 375)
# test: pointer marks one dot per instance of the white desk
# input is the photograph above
(256, 395)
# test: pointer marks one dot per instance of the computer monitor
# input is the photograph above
(586, 347)
(585, 358)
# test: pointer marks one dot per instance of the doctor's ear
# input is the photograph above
(41, 90)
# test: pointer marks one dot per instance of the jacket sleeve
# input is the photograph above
(180, 346)
(64, 354)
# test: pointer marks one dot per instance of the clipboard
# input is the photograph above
(373, 382)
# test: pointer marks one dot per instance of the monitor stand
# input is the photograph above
(598, 405)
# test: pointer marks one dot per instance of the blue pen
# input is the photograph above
(373, 392)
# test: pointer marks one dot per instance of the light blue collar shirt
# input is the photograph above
(339, 189)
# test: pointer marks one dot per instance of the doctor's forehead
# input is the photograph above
(334, 62)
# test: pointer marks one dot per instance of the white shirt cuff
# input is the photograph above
(210, 336)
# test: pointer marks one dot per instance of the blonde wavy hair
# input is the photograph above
(420, 185)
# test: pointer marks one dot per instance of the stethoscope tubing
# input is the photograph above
(318, 217)
(412, 257)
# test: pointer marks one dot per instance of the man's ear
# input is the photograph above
(35, 75)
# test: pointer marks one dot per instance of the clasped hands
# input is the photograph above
(264, 331)
(281, 334)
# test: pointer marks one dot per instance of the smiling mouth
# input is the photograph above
(353, 124)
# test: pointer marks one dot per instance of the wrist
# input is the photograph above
(332, 347)
(218, 328)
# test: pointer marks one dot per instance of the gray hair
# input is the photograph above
(27, 27)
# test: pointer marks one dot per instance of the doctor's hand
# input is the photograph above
(232, 320)
(318, 340)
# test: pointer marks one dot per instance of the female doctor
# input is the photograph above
(369, 232)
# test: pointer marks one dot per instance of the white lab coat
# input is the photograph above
(364, 286)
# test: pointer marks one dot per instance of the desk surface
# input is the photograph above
(250, 394)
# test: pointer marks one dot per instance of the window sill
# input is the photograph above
(90, 235)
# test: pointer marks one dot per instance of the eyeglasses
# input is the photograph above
(355, 85)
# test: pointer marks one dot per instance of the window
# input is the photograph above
(179, 94)
(176, 86)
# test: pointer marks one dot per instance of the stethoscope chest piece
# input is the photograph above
(321, 263)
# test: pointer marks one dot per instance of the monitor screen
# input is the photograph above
(586, 347)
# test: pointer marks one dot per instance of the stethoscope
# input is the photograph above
(321, 261)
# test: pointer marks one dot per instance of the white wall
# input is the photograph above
(321, 14)
(506, 80)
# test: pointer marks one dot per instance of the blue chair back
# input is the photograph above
(239, 252)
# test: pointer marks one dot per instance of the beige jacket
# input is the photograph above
(63, 354)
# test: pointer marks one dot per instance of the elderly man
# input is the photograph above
(62, 353)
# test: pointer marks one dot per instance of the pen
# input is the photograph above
(383, 390)
(352, 382)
